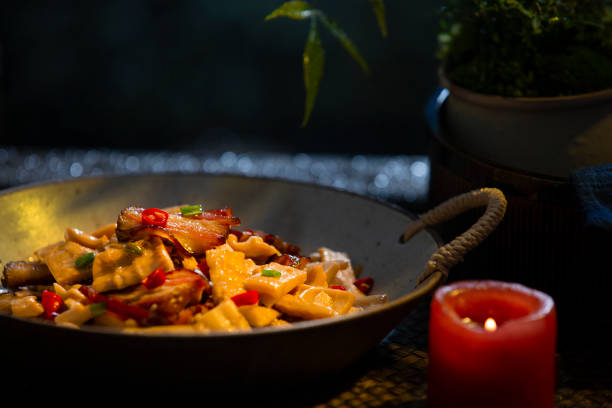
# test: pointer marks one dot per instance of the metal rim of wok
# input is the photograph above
(422, 290)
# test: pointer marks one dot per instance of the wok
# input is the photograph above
(310, 216)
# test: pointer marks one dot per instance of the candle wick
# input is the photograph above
(490, 324)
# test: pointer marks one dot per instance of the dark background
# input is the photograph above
(212, 75)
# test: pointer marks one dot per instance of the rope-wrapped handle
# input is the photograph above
(452, 253)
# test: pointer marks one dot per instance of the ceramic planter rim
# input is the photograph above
(525, 103)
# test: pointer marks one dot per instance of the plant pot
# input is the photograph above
(544, 136)
(542, 241)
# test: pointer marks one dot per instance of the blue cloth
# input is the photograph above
(594, 189)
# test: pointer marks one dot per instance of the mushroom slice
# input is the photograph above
(21, 273)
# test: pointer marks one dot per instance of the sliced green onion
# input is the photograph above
(271, 272)
(133, 248)
(84, 260)
(97, 309)
(192, 210)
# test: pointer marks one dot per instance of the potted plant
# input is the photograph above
(525, 100)
(530, 81)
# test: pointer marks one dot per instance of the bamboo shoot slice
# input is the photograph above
(316, 276)
(228, 270)
(311, 302)
(224, 316)
(254, 247)
(272, 288)
(258, 316)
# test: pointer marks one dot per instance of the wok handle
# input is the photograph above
(452, 253)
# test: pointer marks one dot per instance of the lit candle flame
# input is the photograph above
(490, 324)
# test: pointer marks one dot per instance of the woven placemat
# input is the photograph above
(395, 373)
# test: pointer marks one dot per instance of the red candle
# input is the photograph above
(491, 344)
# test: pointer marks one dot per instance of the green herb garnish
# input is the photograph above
(133, 248)
(271, 272)
(84, 260)
(191, 210)
(97, 309)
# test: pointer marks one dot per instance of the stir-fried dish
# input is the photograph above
(181, 270)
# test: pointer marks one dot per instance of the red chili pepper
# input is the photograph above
(364, 284)
(125, 310)
(338, 287)
(250, 297)
(154, 216)
(92, 295)
(51, 303)
(122, 309)
(155, 279)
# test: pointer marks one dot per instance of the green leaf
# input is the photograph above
(313, 62)
(346, 42)
(378, 7)
(297, 10)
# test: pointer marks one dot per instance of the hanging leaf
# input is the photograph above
(296, 10)
(346, 42)
(313, 64)
(378, 7)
